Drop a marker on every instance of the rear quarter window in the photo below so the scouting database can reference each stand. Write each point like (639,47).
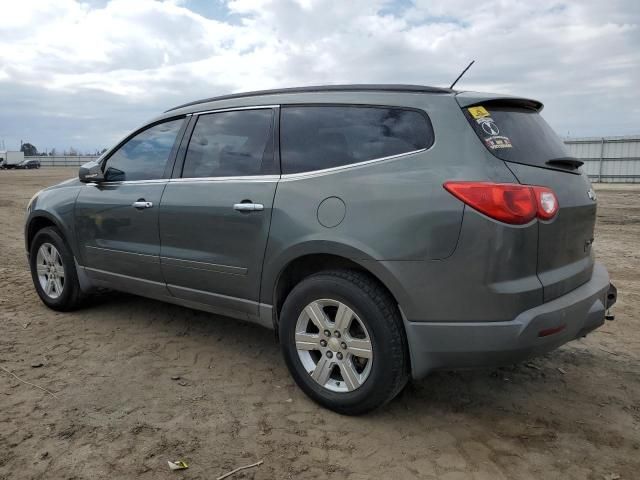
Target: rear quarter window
(319,137)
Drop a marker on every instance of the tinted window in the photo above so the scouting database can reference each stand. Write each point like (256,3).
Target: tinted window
(229,144)
(314,138)
(516,134)
(145,156)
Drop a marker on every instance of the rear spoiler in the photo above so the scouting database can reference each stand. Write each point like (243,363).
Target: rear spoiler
(469,99)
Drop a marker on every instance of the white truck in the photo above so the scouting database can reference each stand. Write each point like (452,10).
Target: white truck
(10,159)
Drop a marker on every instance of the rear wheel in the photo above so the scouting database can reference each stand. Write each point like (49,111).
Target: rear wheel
(343,341)
(53,271)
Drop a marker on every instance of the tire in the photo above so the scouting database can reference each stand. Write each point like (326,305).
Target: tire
(63,294)
(368,372)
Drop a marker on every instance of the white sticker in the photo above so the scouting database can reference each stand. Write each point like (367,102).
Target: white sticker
(498,142)
(490,128)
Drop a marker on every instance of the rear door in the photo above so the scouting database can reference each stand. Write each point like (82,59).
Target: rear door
(514,131)
(215,215)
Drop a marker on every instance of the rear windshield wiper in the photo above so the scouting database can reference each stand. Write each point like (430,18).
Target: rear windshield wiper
(565,162)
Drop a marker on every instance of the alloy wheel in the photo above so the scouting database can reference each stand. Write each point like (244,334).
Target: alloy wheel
(334,345)
(50,270)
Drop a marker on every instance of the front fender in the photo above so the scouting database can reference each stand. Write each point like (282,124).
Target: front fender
(56,206)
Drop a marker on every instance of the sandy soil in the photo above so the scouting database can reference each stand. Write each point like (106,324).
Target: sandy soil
(573,414)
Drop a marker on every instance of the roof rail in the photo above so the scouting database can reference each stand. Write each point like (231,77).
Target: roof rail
(324,88)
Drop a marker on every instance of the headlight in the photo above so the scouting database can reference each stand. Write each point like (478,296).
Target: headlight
(31,201)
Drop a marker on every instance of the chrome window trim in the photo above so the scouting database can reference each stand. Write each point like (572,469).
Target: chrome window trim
(264,178)
(240,178)
(128,182)
(327,171)
(296,176)
(247,178)
(233,109)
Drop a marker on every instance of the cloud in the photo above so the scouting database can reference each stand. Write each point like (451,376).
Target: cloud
(104,66)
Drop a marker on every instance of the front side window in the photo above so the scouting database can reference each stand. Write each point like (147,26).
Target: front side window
(145,156)
(319,137)
(230,144)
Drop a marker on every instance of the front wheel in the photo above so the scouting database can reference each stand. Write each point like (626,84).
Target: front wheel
(53,271)
(343,341)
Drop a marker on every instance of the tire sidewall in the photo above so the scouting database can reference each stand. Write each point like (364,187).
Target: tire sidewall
(51,235)
(326,286)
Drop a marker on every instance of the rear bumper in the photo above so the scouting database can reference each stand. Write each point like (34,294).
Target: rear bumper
(453,345)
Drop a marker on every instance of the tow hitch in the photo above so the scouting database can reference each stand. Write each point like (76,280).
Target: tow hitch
(612,296)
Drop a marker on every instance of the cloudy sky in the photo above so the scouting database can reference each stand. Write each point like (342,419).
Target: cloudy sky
(84,73)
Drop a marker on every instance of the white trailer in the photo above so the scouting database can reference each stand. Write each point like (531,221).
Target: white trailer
(9,159)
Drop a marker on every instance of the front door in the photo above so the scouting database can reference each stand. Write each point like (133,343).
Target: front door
(214,218)
(117,220)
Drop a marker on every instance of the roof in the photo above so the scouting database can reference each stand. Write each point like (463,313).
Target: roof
(325,88)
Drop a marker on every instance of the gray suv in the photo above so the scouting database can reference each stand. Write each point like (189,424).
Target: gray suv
(382,231)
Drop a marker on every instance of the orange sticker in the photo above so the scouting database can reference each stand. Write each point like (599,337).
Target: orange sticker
(478,112)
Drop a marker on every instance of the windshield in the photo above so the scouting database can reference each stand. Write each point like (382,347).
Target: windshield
(516,134)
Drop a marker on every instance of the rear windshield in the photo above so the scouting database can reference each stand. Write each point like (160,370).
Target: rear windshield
(515,134)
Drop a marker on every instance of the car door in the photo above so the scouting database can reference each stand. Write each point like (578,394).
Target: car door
(117,220)
(214,218)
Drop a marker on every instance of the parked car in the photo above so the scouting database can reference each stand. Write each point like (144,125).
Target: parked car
(28,164)
(383,231)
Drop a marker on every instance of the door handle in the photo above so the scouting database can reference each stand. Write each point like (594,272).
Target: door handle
(248,207)
(140,204)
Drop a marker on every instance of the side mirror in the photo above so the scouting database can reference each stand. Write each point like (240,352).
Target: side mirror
(91,172)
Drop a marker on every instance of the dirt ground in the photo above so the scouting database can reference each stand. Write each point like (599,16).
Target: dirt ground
(572,414)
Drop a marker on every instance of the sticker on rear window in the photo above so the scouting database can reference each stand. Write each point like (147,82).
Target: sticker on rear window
(493,140)
(478,112)
(489,127)
(498,142)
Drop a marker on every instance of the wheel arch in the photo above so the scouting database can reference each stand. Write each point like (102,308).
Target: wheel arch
(41,219)
(279,277)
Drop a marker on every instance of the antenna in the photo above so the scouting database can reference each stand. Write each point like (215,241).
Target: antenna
(463,72)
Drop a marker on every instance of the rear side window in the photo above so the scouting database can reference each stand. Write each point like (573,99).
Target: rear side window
(229,144)
(516,134)
(319,137)
(144,156)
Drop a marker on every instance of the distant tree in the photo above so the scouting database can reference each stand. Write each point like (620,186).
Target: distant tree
(52,152)
(29,149)
(102,151)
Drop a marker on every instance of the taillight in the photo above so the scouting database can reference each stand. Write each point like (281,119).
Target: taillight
(507,202)
(547,202)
